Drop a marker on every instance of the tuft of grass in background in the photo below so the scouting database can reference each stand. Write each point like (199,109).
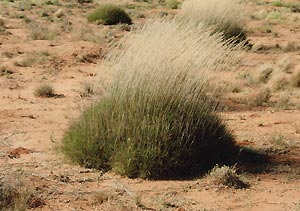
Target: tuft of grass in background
(225,16)
(13,195)
(32,58)
(227,176)
(172,4)
(44,90)
(265,73)
(39,31)
(263,96)
(109,14)
(157,119)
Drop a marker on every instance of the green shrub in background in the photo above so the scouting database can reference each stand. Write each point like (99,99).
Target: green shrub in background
(109,14)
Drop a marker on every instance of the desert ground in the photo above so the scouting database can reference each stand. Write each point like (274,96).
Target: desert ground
(41,45)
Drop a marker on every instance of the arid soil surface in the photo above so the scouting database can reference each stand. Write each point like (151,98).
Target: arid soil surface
(31,128)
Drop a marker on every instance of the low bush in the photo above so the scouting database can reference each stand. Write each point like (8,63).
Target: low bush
(227,176)
(44,90)
(157,119)
(110,14)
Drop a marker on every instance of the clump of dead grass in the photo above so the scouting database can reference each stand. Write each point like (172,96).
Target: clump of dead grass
(262,97)
(227,176)
(265,73)
(13,195)
(40,31)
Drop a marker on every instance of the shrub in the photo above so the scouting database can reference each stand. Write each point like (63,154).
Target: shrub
(173,4)
(110,15)
(13,195)
(225,16)
(156,119)
(44,90)
(228,177)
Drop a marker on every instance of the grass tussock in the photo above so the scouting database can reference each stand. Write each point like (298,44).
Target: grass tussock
(40,31)
(265,73)
(13,196)
(225,16)
(157,119)
(110,14)
(44,90)
(227,176)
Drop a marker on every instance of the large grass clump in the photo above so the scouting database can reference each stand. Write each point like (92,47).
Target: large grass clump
(156,119)
(225,16)
(110,14)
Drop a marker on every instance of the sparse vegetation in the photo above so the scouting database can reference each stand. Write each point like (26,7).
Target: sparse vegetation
(265,73)
(282,102)
(110,14)
(280,82)
(263,96)
(39,31)
(13,197)
(33,58)
(156,120)
(44,90)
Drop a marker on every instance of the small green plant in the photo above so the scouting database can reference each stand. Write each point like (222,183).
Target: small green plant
(278,140)
(275,15)
(227,176)
(278,3)
(44,90)
(110,14)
